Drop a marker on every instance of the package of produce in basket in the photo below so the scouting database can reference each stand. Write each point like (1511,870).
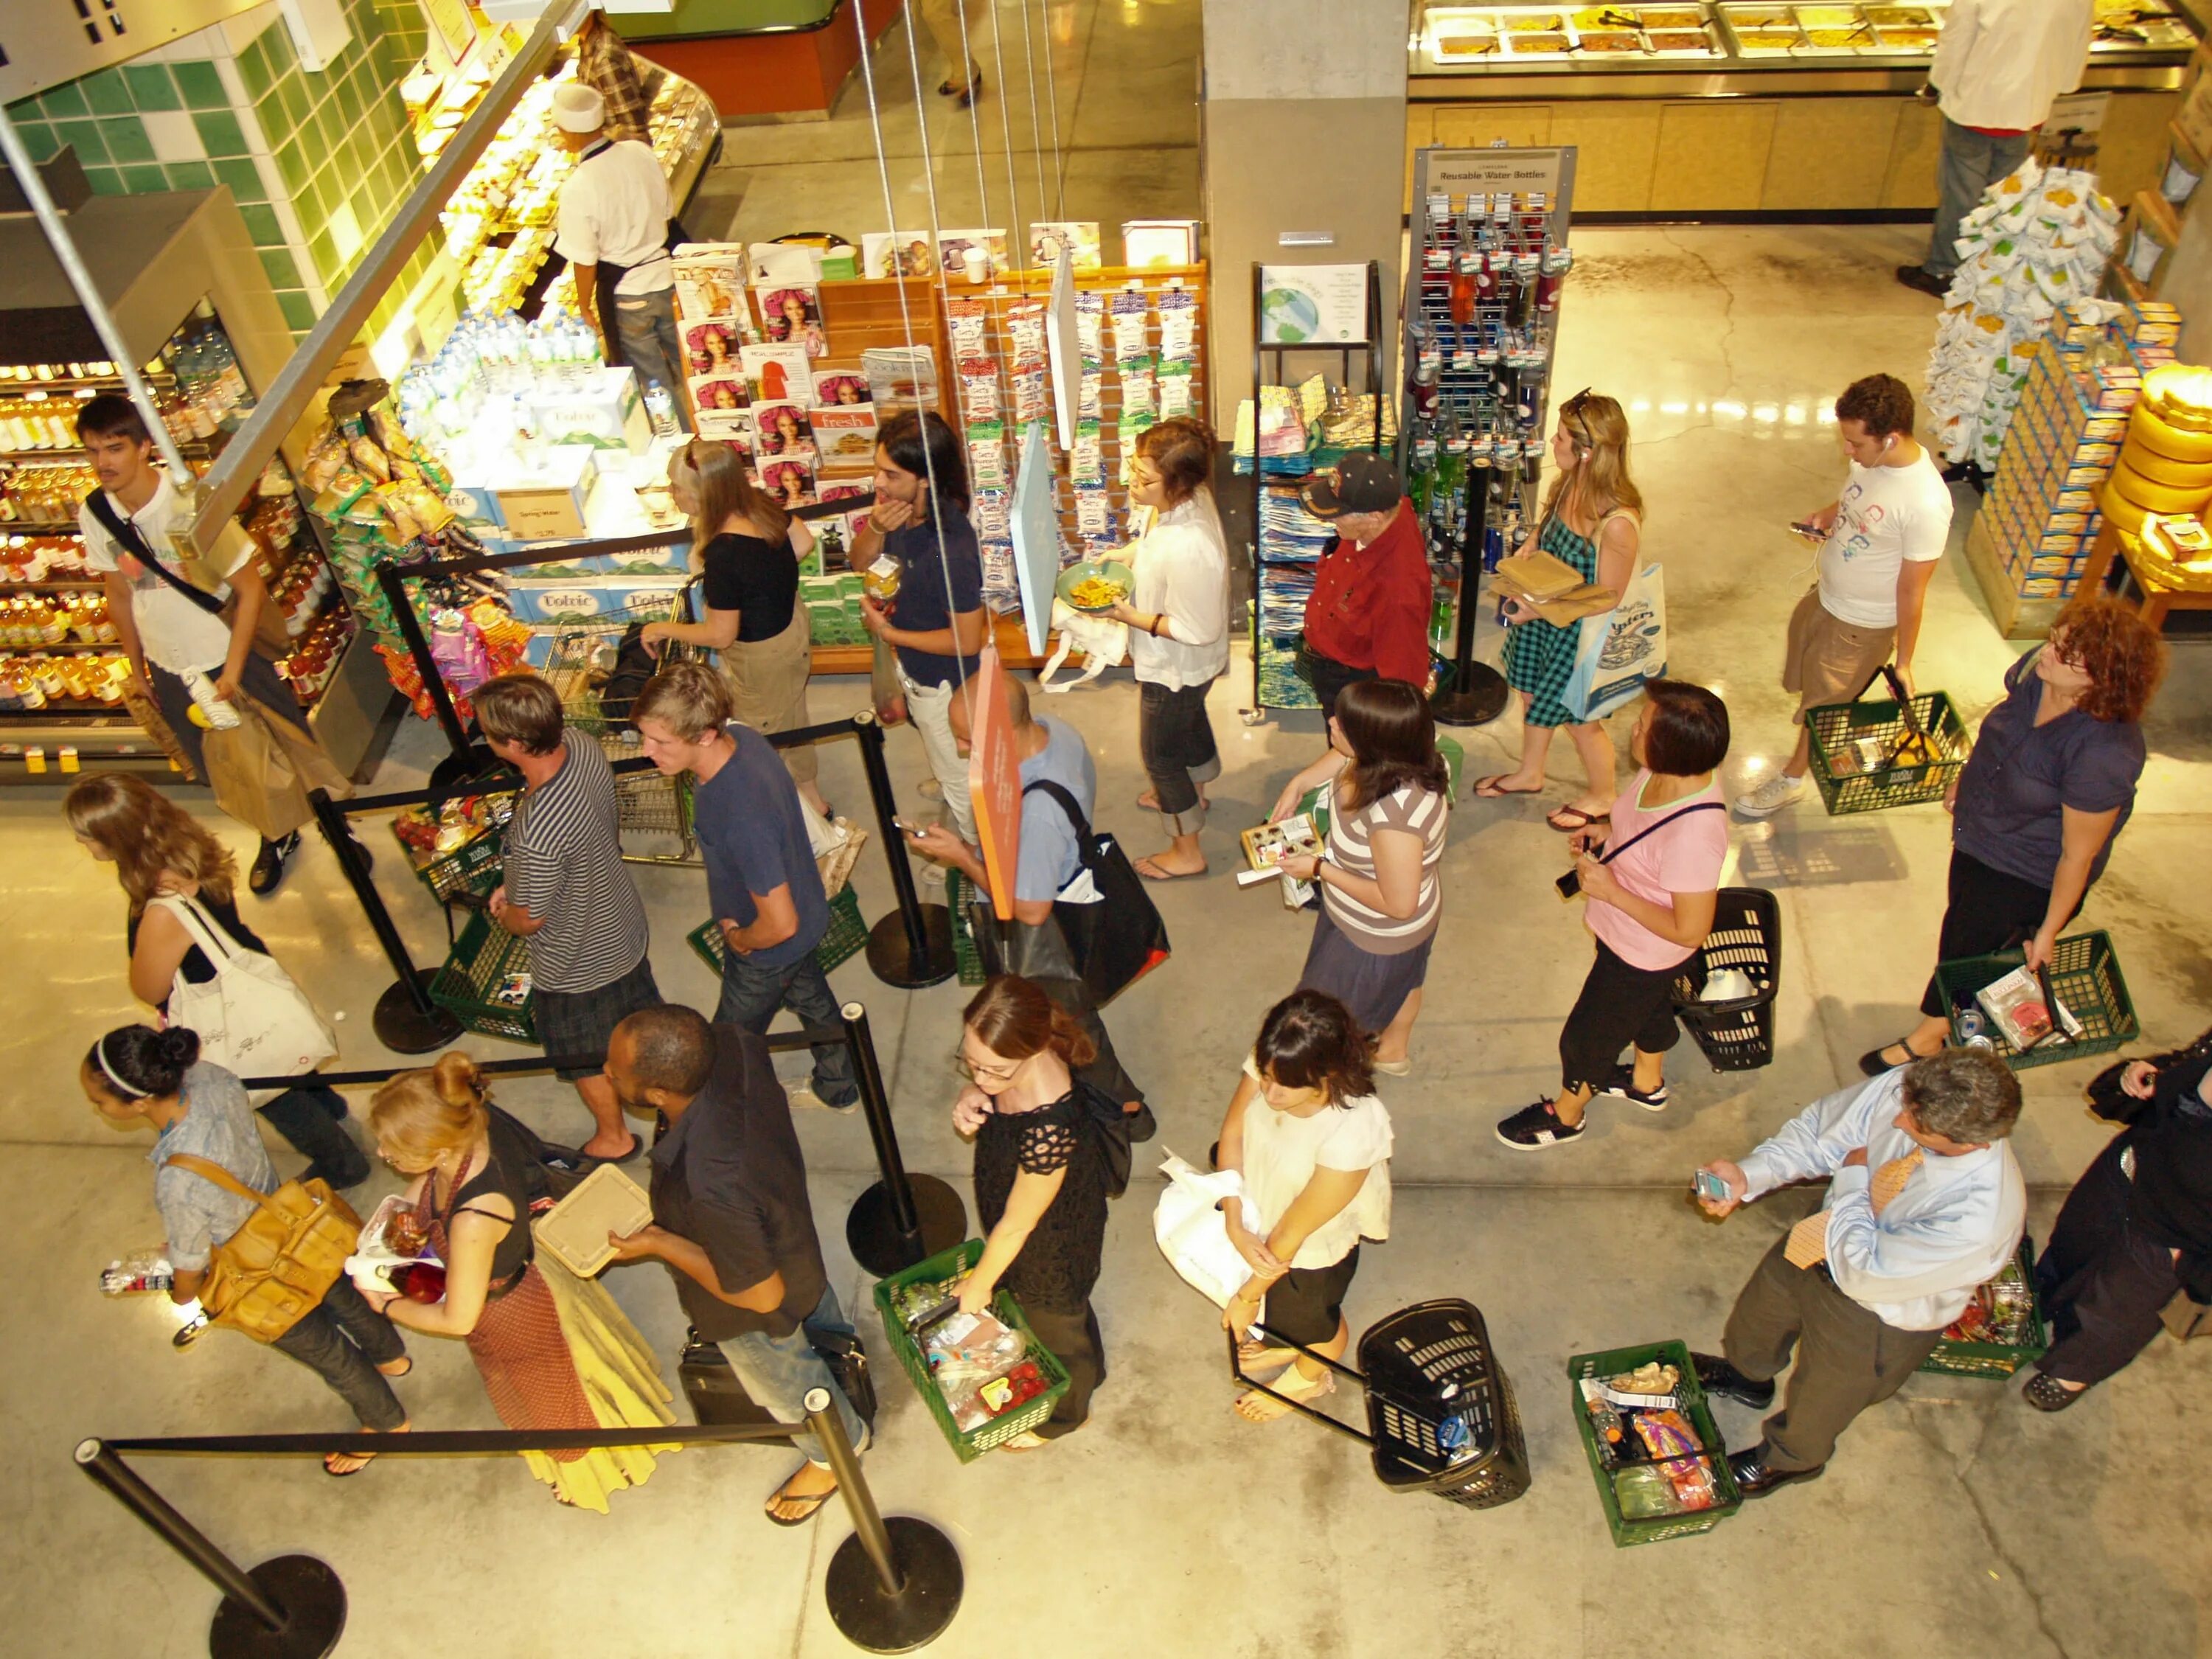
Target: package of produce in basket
(2017,1004)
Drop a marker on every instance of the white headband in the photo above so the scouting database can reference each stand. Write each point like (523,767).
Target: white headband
(130,1090)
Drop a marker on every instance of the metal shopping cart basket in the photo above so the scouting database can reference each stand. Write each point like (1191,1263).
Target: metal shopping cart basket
(1440,1412)
(598,666)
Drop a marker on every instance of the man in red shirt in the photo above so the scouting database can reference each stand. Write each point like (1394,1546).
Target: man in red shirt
(1367,617)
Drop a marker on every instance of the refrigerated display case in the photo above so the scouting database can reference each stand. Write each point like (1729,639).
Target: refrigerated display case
(1743,108)
(64,692)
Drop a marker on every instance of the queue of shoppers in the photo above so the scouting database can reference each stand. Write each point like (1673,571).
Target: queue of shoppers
(1924,1203)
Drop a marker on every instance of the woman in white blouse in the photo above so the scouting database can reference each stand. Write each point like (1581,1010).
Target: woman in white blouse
(1178,620)
(1313,1144)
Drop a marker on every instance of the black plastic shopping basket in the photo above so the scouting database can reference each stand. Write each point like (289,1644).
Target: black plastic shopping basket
(1736,1034)
(1440,1412)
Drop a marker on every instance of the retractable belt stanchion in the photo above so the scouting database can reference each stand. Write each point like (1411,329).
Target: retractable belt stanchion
(902,1218)
(290,1607)
(407,1022)
(1472,693)
(894,1585)
(918,950)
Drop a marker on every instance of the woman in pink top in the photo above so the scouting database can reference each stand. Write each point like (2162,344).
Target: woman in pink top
(1651,905)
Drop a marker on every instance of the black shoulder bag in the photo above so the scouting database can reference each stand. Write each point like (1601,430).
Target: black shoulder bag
(1120,937)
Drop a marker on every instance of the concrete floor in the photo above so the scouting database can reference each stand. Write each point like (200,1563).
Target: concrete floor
(1954,1520)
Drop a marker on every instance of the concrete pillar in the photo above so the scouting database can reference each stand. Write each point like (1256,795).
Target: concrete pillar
(1303,128)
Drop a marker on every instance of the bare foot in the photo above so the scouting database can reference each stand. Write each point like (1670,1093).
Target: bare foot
(1150,800)
(798,1499)
(399,1367)
(1500,784)
(1257,1407)
(344,1463)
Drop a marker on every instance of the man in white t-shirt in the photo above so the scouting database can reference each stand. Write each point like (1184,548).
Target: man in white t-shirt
(168,633)
(1880,540)
(614,215)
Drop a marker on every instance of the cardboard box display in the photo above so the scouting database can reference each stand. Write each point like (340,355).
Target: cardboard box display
(552,503)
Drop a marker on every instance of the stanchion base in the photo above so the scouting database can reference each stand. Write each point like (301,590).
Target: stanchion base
(406,1030)
(873,1619)
(309,1592)
(871,1231)
(891,957)
(1474,698)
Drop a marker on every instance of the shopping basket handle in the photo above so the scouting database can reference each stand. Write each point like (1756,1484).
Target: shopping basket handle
(1903,699)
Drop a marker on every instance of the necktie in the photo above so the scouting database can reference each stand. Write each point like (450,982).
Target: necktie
(1808,1239)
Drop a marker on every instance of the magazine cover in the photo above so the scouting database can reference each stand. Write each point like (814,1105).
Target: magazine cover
(953,247)
(1081,236)
(840,383)
(900,377)
(710,282)
(791,482)
(845,439)
(897,253)
(721,414)
(713,346)
(776,373)
(792,314)
(783,429)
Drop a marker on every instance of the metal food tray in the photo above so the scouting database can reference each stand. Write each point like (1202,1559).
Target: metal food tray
(1737,22)
(1847,21)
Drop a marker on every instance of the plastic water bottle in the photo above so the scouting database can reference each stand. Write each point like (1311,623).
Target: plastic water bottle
(220,714)
(661,407)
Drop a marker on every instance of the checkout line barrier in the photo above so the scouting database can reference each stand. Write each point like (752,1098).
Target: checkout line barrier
(891,1587)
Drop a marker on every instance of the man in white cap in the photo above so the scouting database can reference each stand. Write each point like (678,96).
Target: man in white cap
(614,228)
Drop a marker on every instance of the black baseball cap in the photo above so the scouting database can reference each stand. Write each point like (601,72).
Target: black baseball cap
(1360,483)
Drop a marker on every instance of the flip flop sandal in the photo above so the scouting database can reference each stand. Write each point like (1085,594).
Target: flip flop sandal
(814,1501)
(636,1146)
(1582,820)
(1487,789)
(407,1365)
(1156,873)
(347,1475)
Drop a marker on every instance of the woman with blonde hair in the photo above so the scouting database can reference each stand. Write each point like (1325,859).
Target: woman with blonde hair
(1593,521)
(181,882)
(554,1351)
(748,549)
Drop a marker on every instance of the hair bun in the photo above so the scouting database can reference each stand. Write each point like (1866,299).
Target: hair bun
(179,1046)
(458,1081)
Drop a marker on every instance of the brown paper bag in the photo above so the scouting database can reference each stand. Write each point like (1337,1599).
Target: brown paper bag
(262,770)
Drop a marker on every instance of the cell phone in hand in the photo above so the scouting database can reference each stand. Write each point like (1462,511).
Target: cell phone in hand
(1809,530)
(1569,884)
(1711,1187)
(914,830)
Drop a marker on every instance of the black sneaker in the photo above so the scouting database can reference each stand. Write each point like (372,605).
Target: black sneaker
(1926,281)
(360,850)
(269,864)
(1621,1085)
(1532,1128)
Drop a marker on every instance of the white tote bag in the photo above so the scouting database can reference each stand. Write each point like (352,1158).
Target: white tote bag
(1194,1235)
(252,1020)
(1621,650)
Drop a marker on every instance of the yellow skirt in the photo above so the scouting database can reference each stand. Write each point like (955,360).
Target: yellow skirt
(622,1379)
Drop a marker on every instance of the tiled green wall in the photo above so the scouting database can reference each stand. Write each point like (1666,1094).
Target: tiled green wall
(317,161)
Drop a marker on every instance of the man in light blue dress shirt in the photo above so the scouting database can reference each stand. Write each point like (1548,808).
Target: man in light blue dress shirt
(1925,1203)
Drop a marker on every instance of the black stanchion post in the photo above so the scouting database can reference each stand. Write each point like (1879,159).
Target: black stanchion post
(892,1586)
(902,1218)
(917,950)
(407,1022)
(1475,693)
(292,1606)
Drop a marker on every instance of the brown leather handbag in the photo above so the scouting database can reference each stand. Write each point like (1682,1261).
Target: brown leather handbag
(275,1269)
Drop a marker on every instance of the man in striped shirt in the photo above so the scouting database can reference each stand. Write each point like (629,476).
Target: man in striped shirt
(567,892)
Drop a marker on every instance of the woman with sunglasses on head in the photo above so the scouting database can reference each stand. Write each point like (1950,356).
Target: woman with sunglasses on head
(2050,782)
(1387,793)
(1593,522)
(1050,1149)
(1178,622)
(748,549)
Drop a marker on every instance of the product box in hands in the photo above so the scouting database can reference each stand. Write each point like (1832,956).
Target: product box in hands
(1266,845)
(2017,1006)
(576,1231)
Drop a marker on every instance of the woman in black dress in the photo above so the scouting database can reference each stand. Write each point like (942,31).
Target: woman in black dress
(1049,1152)
(747,549)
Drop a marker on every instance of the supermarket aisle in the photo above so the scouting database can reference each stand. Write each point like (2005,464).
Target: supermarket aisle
(1117,79)
(2033,1536)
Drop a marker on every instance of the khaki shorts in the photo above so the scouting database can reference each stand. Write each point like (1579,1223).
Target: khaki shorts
(1828,660)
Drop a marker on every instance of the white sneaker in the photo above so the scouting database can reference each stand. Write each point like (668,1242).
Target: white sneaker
(1770,797)
(803,1098)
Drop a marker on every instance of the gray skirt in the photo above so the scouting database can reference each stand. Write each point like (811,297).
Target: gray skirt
(1372,985)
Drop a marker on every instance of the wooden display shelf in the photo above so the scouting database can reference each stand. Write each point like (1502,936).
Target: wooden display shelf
(1014,642)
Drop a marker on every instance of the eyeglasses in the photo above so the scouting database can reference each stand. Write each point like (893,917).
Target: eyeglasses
(964,1066)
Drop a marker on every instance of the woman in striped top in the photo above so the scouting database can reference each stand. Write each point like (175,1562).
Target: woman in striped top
(1387,794)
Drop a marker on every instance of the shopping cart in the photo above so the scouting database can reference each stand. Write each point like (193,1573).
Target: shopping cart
(598,666)
(1440,1412)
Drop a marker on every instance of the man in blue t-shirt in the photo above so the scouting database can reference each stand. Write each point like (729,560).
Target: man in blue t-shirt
(762,881)
(1046,868)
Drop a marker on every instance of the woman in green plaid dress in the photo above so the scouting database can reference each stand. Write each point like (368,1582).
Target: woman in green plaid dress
(1592,522)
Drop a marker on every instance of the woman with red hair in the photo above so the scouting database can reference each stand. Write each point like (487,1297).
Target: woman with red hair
(2052,780)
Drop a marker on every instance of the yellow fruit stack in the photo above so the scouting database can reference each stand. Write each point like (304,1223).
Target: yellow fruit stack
(2165,464)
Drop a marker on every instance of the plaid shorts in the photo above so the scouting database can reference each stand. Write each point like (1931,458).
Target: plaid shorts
(580,1024)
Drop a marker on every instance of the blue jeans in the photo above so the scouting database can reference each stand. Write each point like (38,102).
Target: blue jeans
(646,326)
(308,1115)
(778,1370)
(751,995)
(1972,162)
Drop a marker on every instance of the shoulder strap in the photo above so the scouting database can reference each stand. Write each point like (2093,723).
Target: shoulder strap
(1059,792)
(193,1165)
(1613,853)
(126,534)
(216,945)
